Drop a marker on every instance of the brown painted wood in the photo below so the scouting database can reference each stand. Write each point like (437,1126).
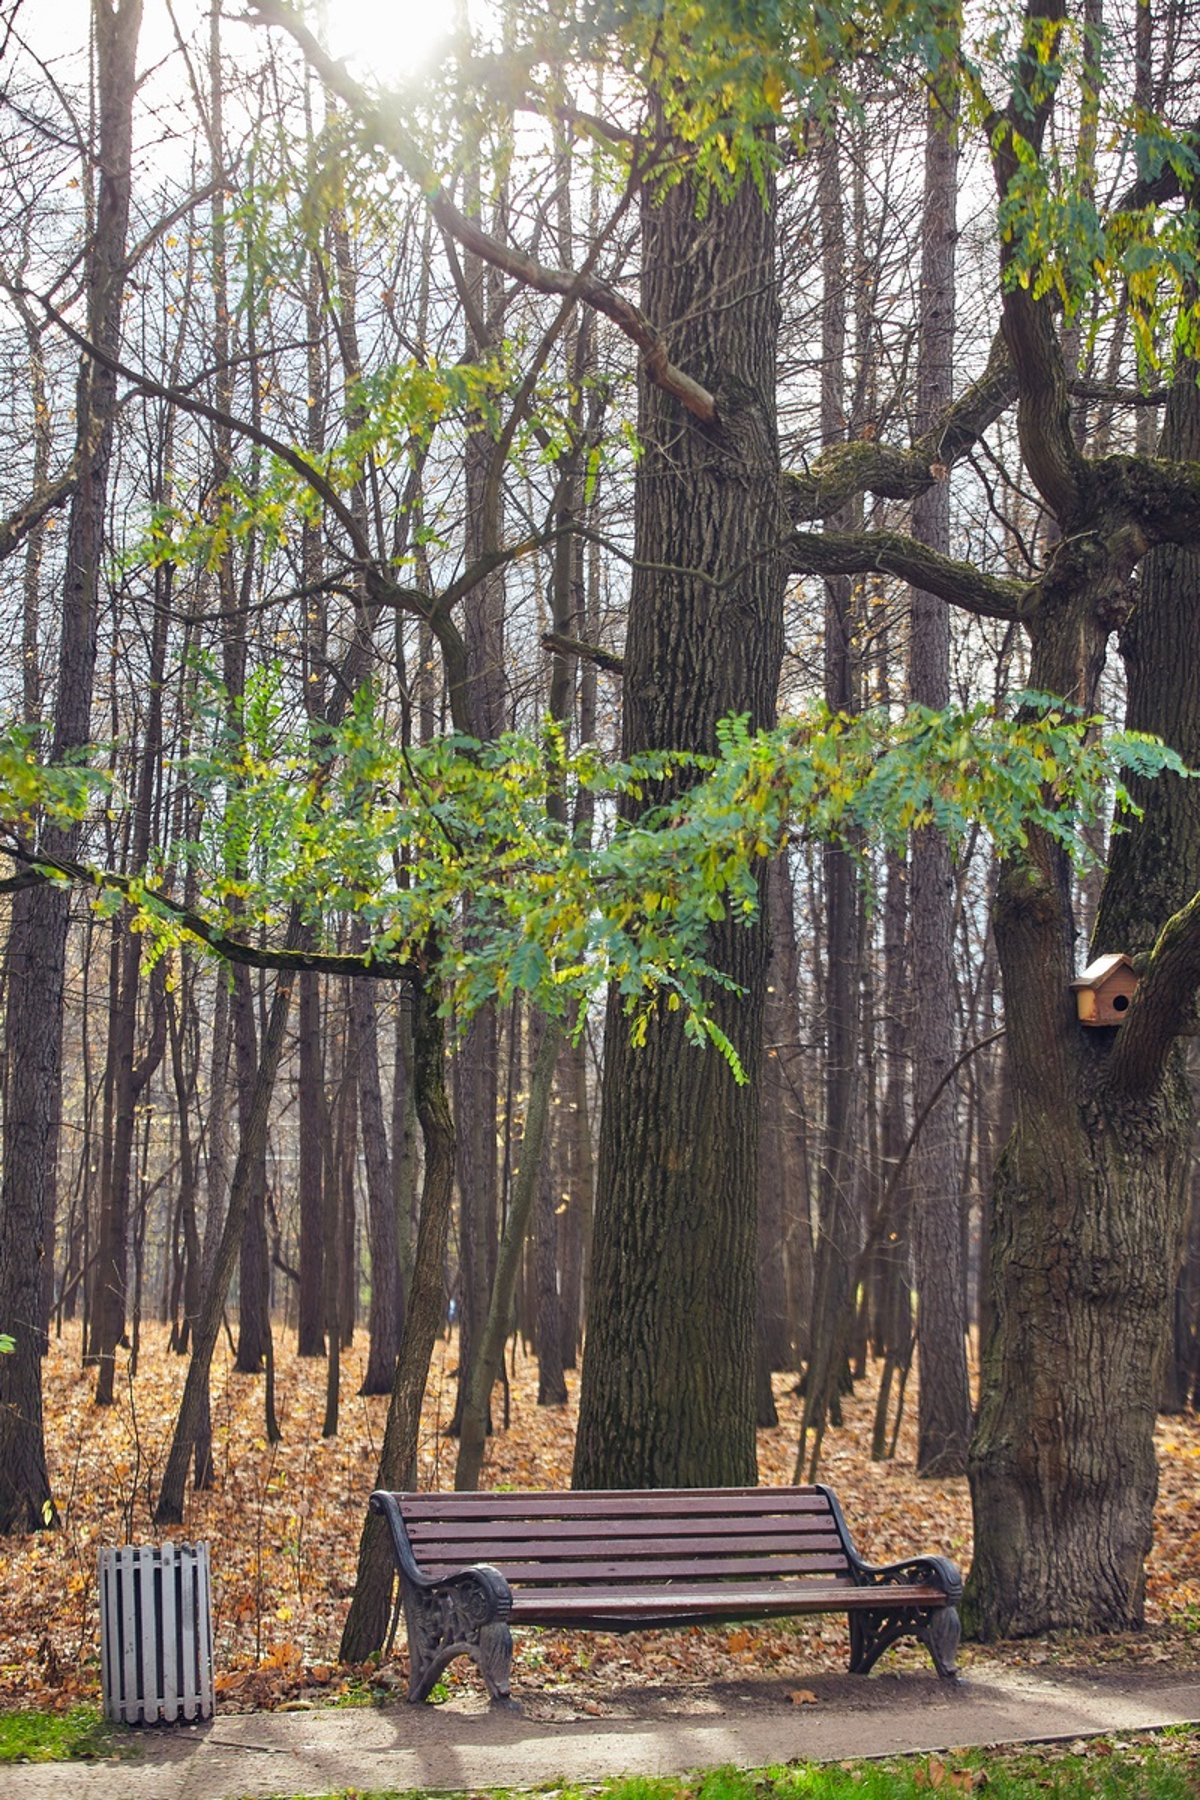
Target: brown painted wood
(682,1536)
(665,1554)
(737,1600)
(545,1572)
(627,1530)
(622,1561)
(684,1503)
(636,1552)
(611,1538)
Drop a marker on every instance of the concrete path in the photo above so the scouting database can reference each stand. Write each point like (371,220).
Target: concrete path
(464,1746)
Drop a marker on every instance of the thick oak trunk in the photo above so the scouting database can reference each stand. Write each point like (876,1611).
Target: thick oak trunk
(1086,1209)
(1091,1193)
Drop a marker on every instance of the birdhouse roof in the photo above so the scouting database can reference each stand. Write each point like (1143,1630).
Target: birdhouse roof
(1100,971)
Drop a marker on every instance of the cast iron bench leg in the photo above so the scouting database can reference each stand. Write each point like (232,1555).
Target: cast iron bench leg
(457,1619)
(873,1632)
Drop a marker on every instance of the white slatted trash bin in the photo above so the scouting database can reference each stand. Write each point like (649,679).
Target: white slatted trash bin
(156,1657)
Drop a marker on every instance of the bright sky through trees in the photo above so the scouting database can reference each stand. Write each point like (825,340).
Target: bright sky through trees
(386,40)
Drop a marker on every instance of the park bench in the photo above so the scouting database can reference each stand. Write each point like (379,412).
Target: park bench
(473,1565)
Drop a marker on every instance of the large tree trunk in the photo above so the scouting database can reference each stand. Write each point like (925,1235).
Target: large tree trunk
(668,1379)
(1091,1191)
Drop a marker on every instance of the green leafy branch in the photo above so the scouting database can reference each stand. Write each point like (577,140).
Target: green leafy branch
(415,841)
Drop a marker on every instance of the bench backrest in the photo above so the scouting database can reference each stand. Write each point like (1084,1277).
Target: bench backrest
(601,1538)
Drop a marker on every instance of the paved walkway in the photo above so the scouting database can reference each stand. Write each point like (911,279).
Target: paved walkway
(464,1746)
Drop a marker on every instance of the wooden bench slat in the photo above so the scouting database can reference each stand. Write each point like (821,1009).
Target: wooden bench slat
(623,1531)
(651,1543)
(648,1549)
(546,1606)
(549,1573)
(667,1503)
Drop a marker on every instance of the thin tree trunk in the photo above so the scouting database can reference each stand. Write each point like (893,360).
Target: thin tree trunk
(552,1386)
(367,1621)
(169,1510)
(254,1270)
(385,1320)
(837,1197)
(312,1125)
(38,931)
(943,1400)
(488,1368)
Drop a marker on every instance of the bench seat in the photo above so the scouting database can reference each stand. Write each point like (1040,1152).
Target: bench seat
(473,1565)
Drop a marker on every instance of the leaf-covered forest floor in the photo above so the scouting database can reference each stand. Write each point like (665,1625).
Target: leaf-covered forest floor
(283,1524)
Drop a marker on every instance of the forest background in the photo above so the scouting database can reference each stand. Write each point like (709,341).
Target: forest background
(412,497)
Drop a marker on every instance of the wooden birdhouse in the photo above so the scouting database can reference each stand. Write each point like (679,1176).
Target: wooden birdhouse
(1104,990)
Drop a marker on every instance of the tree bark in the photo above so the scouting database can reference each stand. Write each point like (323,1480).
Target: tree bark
(169,1510)
(312,1128)
(1091,1191)
(367,1620)
(943,1399)
(38,935)
(781,1189)
(381,1195)
(552,1385)
(254,1272)
(837,1197)
(667,1395)
(488,1368)
(476,1071)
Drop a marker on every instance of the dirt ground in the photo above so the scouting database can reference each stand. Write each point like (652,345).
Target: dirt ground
(282,1524)
(754,1722)
(283,1521)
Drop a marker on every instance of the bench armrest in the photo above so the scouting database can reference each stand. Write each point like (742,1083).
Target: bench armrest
(933,1571)
(929,1571)
(461,1612)
(483,1588)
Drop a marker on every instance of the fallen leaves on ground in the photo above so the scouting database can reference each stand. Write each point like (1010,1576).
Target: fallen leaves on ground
(283,1523)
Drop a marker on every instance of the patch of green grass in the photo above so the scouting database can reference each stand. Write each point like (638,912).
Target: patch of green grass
(1161,1766)
(365,1692)
(71,1736)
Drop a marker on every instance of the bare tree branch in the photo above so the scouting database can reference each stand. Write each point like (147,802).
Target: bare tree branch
(569,646)
(892,553)
(39,867)
(1162,1006)
(386,130)
(844,471)
(1048,446)
(201,409)
(16,528)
